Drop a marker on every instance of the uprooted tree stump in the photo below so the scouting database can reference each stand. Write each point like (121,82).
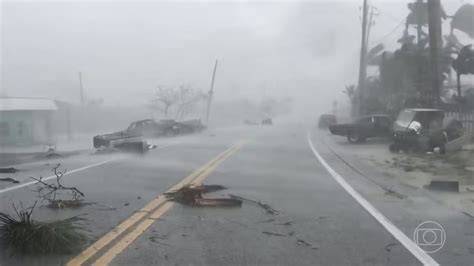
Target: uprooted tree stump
(192,196)
(23,234)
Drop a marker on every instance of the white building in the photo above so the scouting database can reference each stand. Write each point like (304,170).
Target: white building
(26,121)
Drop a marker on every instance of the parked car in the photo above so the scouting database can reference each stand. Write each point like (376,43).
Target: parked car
(267,121)
(250,122)
(364,127)
(424,130)
(326,120)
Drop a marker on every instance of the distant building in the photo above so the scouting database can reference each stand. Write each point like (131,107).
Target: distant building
(26,121)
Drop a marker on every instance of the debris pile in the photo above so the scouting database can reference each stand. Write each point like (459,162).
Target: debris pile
(192,196)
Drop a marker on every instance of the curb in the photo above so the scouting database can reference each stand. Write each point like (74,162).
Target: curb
(12,159)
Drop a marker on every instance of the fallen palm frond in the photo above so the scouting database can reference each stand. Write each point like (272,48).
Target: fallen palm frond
(272,233)
(264,206)
(9,179)
(26,235)
(192,191)
(192,195)
(8,170)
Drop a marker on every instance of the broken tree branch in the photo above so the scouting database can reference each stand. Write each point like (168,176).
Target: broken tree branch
(266,207)
(49,191)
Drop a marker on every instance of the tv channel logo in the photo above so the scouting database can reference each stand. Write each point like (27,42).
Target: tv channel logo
(429,236)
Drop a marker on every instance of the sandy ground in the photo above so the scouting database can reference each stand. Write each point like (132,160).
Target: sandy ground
(419,170)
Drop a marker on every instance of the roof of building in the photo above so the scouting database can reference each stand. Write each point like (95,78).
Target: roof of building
(424,109)
(375,115)
(27,104)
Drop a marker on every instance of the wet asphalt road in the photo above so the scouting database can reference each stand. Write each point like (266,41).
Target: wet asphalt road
(318,223)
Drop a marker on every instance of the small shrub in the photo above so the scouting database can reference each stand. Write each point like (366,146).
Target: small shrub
(26,235)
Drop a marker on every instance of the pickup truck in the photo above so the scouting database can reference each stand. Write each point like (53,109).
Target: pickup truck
(147,128)
(364,127)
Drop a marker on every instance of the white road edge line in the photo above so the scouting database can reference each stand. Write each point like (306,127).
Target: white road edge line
(75,170)
(53,176)
(384,221)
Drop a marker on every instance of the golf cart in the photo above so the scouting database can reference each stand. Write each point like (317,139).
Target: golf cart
(424,130)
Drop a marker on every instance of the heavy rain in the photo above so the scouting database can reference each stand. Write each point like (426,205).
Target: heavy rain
(237,132)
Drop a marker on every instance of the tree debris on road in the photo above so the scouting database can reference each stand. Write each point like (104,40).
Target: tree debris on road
(8,170)
(388,247)
(394,193)
(74,204)
(266,207)
(50,192)
(272,233)
(9,179)
(26,235)
(286,224)
(300,242)
(155,239)
(468,215)
(267,221)
(192,196)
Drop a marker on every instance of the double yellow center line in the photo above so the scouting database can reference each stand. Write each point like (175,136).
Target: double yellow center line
(144,218)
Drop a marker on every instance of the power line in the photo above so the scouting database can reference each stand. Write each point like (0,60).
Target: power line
(388,15)
(394,18)
(402,22)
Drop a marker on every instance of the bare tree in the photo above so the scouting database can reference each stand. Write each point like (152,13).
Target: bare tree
(188,98)
(164,99)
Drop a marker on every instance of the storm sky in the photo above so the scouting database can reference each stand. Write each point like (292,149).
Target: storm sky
(305,50)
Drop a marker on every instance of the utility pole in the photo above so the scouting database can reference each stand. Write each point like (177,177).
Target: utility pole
(363,62)
(68,122)
(81,88)
(369,24)
(434,27)
(419,22)
(211,93)
(419,12)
